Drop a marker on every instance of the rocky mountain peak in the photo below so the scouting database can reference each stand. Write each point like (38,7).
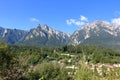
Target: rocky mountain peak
(38,27)
(45,27)
(97,24)
(45,36)
(97,33)
(100,22)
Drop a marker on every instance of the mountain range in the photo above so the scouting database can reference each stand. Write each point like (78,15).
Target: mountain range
(100,33)
(39,36)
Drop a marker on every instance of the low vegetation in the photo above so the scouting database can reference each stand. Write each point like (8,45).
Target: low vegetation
(60,63)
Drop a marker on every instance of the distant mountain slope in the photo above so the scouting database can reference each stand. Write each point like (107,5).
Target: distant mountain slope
(97,33)
(11,36)
(39,36)
(45,36)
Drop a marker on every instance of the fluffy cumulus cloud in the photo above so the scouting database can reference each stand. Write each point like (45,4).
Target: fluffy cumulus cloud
(78,22)
(116,21)
(83,18)
(34,20)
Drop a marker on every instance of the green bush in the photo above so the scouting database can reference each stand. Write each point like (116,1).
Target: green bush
(84,73)
(48,71)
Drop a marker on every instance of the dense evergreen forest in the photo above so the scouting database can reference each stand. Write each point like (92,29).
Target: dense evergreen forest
(59,63)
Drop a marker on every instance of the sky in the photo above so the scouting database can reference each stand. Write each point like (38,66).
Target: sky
(63,15)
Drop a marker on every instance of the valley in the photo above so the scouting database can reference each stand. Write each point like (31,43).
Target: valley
(70,62)
(42,53)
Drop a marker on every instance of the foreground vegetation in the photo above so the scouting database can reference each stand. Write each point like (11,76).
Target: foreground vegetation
(61,63)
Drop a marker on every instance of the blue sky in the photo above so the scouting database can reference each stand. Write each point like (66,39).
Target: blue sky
(62,15)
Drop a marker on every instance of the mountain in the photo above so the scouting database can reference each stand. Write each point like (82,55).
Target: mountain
(39,36)
(45,36)
(97,33)
(11,36)
(100,33)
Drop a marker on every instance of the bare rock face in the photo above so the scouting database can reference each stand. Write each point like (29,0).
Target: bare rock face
(39,36)
(97,33)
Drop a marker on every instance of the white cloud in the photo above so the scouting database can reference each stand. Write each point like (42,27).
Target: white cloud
(70,21)
(34,20)
(83,18)
(116,21)
(75,22)
(78,22)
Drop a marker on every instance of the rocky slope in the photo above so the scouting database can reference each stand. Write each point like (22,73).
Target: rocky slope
(39,36)
(45,36)
(97,33)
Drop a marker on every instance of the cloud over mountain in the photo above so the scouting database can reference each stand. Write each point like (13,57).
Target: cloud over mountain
(34,20)
(116,21)
(77,22)
(83,18)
